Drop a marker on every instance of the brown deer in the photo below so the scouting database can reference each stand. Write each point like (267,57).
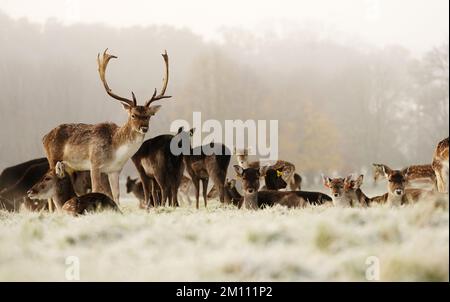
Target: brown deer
(339,194)
(286,167)
(417,174)
(57,184)
(201,167)
(230,191)
(135,186)
(159,168)
(11,175)
(254,199)
(398,193)
(104,147)
(296,182)
(353,190)
(440,165)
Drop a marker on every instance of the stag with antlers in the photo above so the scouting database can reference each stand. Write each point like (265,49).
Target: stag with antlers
(104,147)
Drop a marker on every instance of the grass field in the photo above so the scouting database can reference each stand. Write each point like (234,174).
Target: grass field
(224,244)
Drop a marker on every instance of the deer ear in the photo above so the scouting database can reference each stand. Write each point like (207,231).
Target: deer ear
(180,130)
(192,131)
(60,169)
(239,170)
(326,181)
(386,170)
(359,180)
(263,170)
(153,109)
(405,174)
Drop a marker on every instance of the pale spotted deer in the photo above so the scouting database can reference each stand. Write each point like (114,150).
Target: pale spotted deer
(104,147)
(440,165)
(398,193)
(417,175)
(287,168)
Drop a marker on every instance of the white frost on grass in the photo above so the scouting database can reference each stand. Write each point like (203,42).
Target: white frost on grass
(225,244)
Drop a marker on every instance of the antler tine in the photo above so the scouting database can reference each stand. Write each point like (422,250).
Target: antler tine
(102,64)
(165,82)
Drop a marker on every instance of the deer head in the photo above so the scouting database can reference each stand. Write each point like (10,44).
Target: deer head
(47,186)
(138,116)
(397,181)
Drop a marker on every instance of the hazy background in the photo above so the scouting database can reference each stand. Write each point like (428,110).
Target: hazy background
(351,82)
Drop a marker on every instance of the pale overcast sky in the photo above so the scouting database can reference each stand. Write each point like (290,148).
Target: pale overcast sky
(415,24)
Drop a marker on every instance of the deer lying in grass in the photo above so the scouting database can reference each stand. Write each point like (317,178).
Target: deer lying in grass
(254,199)
(231,193)
(57,184)
(286,167)
(440,165)
(202,167)
(398,193)
(135,186)
(11,175)
(417,174)
(346,192)
(296,182)
(104,147)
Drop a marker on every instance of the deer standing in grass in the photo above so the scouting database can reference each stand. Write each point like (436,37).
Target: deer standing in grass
(440,165)
(104,147)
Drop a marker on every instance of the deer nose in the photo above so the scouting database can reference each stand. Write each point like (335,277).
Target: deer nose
(144,129)
(250,190)
(398,192)
(336,194)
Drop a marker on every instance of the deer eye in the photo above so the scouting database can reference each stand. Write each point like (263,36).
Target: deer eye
(133,116)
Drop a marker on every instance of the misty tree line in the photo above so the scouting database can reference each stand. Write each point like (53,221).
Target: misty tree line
(340,107)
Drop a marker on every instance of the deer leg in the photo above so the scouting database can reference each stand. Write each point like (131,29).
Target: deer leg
(114,183)
(155,196)
(50,205)
(205,190)
(196,183)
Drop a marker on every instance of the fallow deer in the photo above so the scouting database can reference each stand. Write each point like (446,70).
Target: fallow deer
(104,147)
(398,193)
(440,165)
(417,174)
(286,167)
(230,191)
(12,198)
(353,190)
(254,199)
(57,184)
(135,186)
(159,167)
(296,182)
(201,167)
(11,175)
(338,192)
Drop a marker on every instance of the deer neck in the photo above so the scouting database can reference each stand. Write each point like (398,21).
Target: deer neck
(251,201)
(64,190)
(126,135)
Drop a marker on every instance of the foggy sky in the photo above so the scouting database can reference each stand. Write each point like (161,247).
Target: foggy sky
(414,24)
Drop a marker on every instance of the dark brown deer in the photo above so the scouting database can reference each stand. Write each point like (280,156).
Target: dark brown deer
(231,193)
(273,179)
(352,188)
(254,199)
(104,147)
(417,174)
(159,168)
(135,186)
(202,167)
(287,168)
(440,165)
(11,175)
(57,184)
(12,198)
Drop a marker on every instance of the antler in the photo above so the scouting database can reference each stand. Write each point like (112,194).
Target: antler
(165,82)
(102,64)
